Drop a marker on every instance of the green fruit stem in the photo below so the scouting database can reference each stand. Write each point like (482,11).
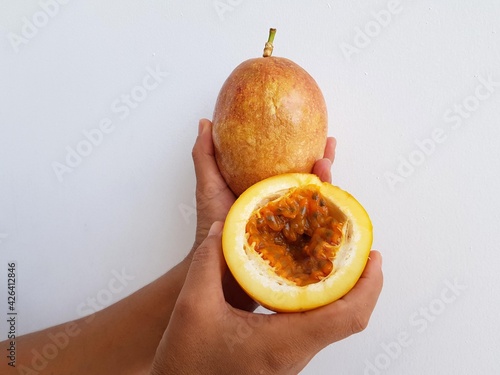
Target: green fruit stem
(268,49)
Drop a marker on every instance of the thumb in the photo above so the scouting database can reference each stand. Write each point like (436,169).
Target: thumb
(204,277)
(209,181)
(204,154)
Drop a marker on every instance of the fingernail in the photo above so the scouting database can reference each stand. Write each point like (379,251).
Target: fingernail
(216,228)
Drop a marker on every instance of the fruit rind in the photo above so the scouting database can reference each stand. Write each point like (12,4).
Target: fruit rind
(261,283)
(270,118)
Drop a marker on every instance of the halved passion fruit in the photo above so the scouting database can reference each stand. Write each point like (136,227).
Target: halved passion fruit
(294,243)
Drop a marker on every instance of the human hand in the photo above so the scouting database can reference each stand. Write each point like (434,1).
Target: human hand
(206,335)
(214,198)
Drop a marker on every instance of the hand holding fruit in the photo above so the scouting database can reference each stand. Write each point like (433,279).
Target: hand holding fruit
(206,335)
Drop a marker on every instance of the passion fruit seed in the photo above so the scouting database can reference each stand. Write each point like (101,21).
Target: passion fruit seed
(297,234)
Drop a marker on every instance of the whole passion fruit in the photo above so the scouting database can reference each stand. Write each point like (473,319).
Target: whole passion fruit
(294,243)
(270,118)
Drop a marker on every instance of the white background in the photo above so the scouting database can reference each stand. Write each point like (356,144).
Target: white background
(128,205)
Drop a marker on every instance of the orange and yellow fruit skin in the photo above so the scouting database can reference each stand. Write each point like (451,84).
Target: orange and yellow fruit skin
(259,280)
(270,118)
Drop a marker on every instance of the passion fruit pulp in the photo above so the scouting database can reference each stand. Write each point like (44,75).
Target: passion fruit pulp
(297,234)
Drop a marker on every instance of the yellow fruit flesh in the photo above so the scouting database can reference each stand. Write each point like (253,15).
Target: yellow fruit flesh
(297,234)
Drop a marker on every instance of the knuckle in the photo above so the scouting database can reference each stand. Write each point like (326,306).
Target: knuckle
(190,311)
(195,151)
(279,361)
(358,320)
(202,253)
(208,191)
(185,307)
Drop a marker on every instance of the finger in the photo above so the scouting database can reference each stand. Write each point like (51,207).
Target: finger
(353,311)
(204,278)
(331,145)
(322,169)
(206,169)
(369,285)
(346,316)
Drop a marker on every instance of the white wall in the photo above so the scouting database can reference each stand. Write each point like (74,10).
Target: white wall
(416,77)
